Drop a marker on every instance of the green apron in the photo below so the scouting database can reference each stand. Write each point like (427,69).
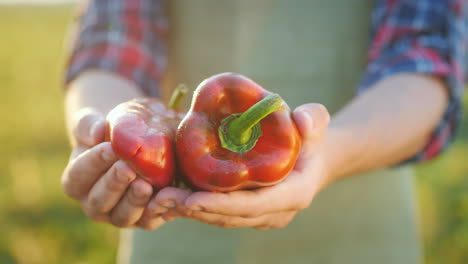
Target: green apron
(307,51)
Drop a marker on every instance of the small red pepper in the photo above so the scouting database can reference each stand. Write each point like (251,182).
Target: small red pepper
(142,132)
(236,135)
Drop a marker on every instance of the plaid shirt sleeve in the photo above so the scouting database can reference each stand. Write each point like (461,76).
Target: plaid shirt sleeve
(126,37)
(422,36)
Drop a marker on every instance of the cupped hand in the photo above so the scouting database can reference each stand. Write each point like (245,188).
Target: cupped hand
(263,208)
(107,188)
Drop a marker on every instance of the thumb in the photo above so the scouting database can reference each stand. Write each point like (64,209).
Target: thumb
(89,127)
(312,121)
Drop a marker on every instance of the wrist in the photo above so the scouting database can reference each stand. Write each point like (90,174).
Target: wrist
(341,153)
(322,170)
(99,90)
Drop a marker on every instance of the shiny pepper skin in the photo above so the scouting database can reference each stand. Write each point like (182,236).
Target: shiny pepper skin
(206,165)
(141,132)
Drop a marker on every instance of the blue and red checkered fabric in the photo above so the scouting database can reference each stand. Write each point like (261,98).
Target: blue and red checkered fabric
(427,37)
(128,37)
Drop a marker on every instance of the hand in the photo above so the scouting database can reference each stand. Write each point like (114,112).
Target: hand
(107,188)
(264,208)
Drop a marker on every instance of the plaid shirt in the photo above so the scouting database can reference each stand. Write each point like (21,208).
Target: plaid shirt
(127,37)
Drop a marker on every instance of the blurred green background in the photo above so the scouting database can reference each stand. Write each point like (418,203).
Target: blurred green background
(38,224)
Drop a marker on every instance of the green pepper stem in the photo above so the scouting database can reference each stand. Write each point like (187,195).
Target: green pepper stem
(240,129)
(175,103)
(240,132)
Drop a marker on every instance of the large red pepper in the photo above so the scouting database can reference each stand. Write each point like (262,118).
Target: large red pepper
(236,135)
(142,133)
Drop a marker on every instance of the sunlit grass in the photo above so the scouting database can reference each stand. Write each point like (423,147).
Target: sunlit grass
(443,196)
(38,224)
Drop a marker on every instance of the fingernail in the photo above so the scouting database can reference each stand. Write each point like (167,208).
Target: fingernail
(106,155)
(168,204)
(195,208)
(138,193)
(155,209)
(309,119)
(123,177)
(92,128)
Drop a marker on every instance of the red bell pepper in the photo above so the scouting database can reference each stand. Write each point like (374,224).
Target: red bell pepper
(142,132)
(236,135)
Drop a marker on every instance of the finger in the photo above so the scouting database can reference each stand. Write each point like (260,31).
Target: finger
(93,216)
(130,209)
(312,121)
(294,193)
(90,127)
(171,215)
(77,151)
(150,223)
(279,220)
(169,198)
(274,220)
(109,189)
(82,172)
(168,202)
